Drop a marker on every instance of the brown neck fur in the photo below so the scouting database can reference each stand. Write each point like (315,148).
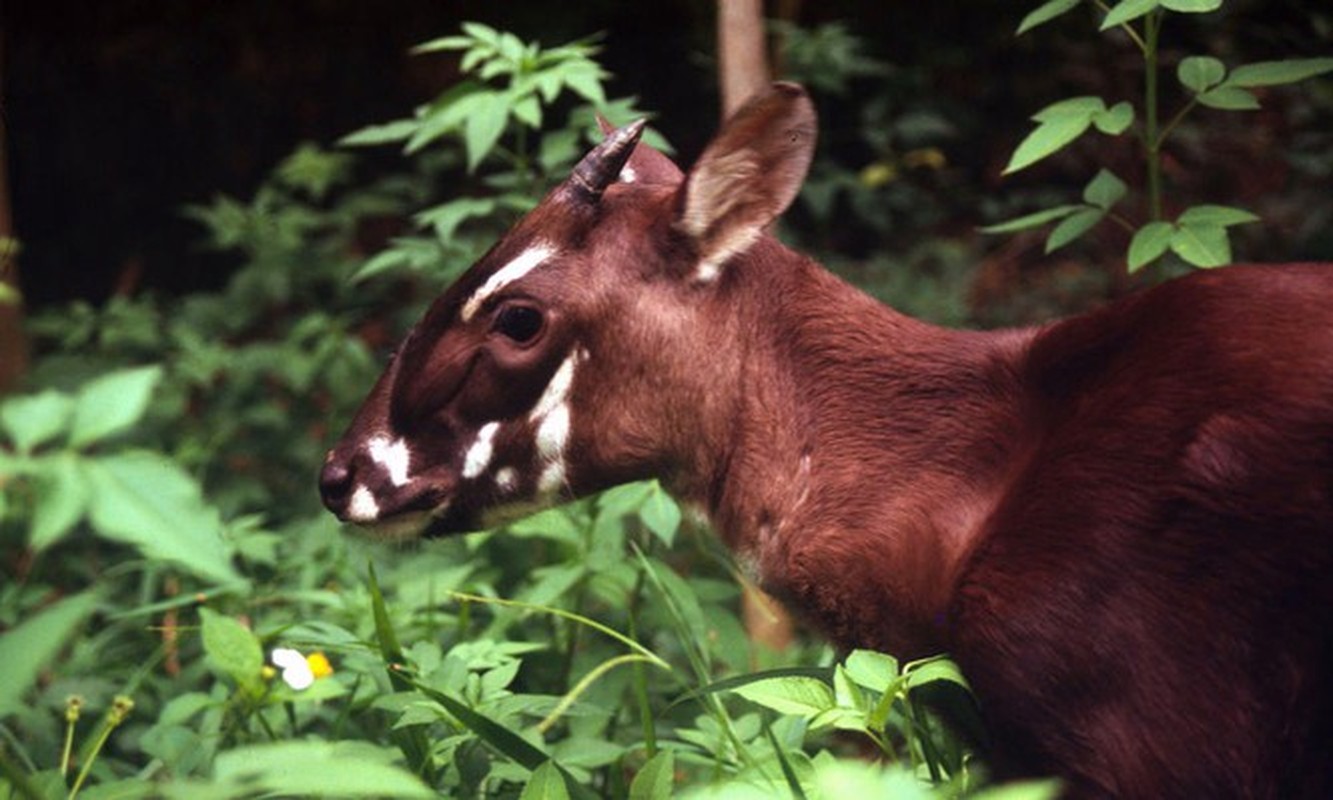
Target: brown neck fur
(866,451)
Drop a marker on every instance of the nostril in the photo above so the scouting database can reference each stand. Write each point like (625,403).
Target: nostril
(335,484)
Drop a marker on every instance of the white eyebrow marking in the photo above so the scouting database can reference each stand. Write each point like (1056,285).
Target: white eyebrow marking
(478,456)
(524,263)
(363,507)
(393,456)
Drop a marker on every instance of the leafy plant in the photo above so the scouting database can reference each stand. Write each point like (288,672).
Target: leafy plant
(1199,235)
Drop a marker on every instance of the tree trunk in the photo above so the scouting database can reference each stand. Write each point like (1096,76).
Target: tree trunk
(13,342)
(742,63)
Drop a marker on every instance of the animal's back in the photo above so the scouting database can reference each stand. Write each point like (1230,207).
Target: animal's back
(1161,560)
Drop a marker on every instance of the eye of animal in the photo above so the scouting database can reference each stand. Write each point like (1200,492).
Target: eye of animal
(519,323)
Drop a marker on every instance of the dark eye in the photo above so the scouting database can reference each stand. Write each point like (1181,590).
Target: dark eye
(520,323)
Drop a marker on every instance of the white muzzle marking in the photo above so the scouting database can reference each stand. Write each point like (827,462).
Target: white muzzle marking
(393,456)
(478,456)
(363,508)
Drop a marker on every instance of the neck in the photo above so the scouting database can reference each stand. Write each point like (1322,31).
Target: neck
(866,453)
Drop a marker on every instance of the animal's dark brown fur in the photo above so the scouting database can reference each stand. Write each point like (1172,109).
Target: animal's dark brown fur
(1120,525)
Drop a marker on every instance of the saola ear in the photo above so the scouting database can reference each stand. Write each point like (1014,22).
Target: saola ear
(646,164)
(747,175)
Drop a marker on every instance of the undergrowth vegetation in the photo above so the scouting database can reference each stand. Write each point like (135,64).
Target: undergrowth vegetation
(182,619)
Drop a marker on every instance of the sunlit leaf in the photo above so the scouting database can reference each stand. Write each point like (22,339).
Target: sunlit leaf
(232,649)
(1047,138)
(1114,120)
(60,502)
(1105,189)
(1223,216)
(32,645)
(1033,220)
(1192,6)
(793,695)
(872,670)
(1200,73)
(111,403)
(483,127)
(33,420)
(1273,73)
(1149,243)
(654,781)
(546,783)
(1202,245)
(1045,13)
(1072,227)
(315,768)
(1128,11)
(1229,98)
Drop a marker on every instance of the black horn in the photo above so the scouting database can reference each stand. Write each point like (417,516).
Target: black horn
(600,167)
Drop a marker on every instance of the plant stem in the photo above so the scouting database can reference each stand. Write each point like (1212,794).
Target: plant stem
(1152,26)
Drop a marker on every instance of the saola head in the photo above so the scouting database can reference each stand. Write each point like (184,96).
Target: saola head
(584,349)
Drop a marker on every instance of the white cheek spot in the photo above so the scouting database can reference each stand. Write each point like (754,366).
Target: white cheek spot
(393,456)
(707,271)
(363,507)
(553,433)
(524,263)
(552,478)
(506,479)
(627,174)
(478,456)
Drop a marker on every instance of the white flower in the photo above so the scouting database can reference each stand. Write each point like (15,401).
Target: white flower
(296,671)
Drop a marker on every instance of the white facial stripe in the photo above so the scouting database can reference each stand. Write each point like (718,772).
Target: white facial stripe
(363,507)
(478,456)
(553,433)
(526,262)
(552,478)
(557,391)
(393,456)
(506,479)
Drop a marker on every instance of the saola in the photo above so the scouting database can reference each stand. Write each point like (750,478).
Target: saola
(1120,524)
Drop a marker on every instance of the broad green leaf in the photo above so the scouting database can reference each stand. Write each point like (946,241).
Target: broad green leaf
(1229,98)
(546,783)
(1104,190)
(654,781)
(1025,790)
(934,669)
(483,128)
(232,649)
(585,78)
(1032,220)
(661,515)
(1149,243)
(1200,73)
(315,768)
(397,131)
(446,217)
(874,671)
(35,419)
(1192,6)
(846,692)
(1223,216)
(796,695)
(1071,108)
(1047,138)
(60,502)
(1202,245)
(111,403)
(1114,120)
(32,646)
(1044,13)
(528,111)
(145,499)
(1127,11)
(1273,73)
(443,43)
(1072,227)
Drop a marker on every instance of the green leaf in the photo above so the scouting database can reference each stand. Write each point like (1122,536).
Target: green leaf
(446,218)
(111,403)
(932,670)
(1049,137)
(1192,6)
(32,420)
(805,697)
(232,649)
(872,670)
(61,500)
(1104,190)
(1114,120)
(1229,98)
(483,128)
(1044,13)
(1273,73)
(1149,243)
(1200,73)
(1202,245)
(654,781)
(546,783)
(1223,216)
(1126,11)
(32,646)
(585,78)
(396,131)
(1072,227)
(315,768)
(146,500)
(661,515)
(1032,220)
(1071,108)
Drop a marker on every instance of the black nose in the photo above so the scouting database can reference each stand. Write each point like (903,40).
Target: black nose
(335,484)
